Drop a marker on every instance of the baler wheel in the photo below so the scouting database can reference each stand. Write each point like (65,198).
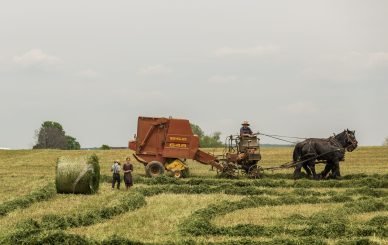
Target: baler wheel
(185,172)
(178,174)
(154,169)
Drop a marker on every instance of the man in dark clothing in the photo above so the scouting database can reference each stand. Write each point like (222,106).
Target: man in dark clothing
(245,129)
(116,174)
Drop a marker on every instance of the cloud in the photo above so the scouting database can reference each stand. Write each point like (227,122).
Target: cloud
(250,51)
(88,73)
(222,79)
(135,96)
(377,59)
(155,70)
(36,57)
(347,67)
(300,108)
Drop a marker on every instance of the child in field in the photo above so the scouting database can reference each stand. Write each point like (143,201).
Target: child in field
(116,174)
(128,168)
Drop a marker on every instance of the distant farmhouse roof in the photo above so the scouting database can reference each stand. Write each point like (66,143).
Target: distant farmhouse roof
(3,148)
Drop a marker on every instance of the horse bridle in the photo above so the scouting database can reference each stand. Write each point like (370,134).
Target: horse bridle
(352,141)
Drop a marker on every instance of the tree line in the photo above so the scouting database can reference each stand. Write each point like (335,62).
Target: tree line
(207,141)
(51,135)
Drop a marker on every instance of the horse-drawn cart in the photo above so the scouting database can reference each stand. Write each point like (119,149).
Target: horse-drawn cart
(164,144)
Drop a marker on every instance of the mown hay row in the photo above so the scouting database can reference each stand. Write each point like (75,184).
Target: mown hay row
(129,202)
(230,189)
(47,229)
(61,237)
(373,181)
(33,230)
(43,194)
(322,225)
(199,223)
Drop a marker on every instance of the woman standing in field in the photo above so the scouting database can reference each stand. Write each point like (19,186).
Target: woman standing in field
(128,168)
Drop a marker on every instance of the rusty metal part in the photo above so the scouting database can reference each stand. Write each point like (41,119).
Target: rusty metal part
(244,152)
(230,170)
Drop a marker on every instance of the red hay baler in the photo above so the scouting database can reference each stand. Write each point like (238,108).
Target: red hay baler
(165,144)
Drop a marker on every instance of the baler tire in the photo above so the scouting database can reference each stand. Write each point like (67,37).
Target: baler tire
(185,173)
(178,174)
(154,169)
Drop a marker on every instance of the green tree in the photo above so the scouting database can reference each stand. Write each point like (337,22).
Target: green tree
(197,130)
(52,136)
(72,143)
(105,147)
(207,141)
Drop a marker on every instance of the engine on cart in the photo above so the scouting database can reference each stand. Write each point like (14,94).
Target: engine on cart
(242,154)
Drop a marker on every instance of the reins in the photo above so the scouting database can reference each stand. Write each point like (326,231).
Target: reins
(294,163)
(279,137)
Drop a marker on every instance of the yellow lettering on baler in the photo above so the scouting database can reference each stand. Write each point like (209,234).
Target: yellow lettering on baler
(174,138)
(177,145)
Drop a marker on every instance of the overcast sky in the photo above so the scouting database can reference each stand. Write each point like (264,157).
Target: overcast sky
(301,68)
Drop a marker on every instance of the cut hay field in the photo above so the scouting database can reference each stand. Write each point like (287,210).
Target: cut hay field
(201,209)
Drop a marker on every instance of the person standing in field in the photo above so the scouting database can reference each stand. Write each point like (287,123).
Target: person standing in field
(127,169)
(116,174)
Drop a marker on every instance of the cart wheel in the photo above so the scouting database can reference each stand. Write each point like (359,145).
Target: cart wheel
(255,171)
(154,169)
(230,170)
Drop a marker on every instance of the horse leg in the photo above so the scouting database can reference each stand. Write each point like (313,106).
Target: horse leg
(312,168)
(306,168)
(336,170)
(328,168)
(297,171)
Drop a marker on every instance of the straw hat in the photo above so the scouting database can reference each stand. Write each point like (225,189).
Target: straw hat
(245,123)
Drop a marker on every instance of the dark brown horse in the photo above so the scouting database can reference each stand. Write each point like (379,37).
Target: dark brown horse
(331,150)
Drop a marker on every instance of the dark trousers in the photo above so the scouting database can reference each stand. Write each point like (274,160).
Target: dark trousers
(116,178)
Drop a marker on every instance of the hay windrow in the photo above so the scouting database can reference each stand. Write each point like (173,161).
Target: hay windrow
(78,176)
(43,194)
(318,227)
(51,227)
(371,182)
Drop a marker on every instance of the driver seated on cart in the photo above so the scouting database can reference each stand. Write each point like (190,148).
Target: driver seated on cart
(245,129)
(248,142)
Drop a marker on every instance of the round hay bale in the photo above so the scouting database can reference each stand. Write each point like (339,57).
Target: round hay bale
(79,176)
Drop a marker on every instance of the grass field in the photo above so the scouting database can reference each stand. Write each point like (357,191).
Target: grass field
(201,209)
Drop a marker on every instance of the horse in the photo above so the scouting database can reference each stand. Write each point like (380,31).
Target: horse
(332,150)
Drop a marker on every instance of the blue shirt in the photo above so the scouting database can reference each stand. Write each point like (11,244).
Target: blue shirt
(246,130)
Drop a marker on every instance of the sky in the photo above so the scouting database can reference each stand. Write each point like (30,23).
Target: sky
(300,68)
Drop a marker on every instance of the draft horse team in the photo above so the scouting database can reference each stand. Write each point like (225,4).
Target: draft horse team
(331,151)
